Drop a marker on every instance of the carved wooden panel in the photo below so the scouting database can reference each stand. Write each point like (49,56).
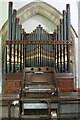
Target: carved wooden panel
(65,85)
(39,75)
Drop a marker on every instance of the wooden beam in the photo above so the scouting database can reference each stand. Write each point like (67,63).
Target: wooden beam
(50,42)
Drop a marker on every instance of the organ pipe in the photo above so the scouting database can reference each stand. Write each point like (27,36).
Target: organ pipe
(64,38)
(58,48)
(68,31)
(39,46)
(37,61)
(55,49)
(24,48)
(34,47)
(20,48)
(68,28)
(10,20)
(14,25)
(42,47)
(17,46)
(61,46)
(47,48)
(10,32)
(42,53)
(14,38)
(6,69)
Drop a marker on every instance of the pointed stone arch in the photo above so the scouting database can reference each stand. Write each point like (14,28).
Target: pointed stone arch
(42,8)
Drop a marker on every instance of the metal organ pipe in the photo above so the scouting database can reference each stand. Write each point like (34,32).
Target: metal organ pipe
(24,55)
(35,47)
(39,47)
(49,57)
(64,38)
(17,46)
(30,50)
(23,50)
(10,32)
(20,52)
(68,23)
(42,48)
(15,33)
(62,52)
(22,38)
(13,38)
(46,48)
(14,25)
(10,20)
(68,35)
(55,49)
(42,53)
(6,69)
(61,46)
(36,32)
(17,28)
(58,48)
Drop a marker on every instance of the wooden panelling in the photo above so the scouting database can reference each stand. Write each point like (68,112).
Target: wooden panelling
(12,83)
(40,77)
(65,85)
(64,81)
(14,76)
(12,86)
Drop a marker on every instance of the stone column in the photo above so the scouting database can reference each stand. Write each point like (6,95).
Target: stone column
(0,65)
(79,44)
(0,76)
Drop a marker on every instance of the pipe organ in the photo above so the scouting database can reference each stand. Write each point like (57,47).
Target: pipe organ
(38,64)
(39,49)
(25,53)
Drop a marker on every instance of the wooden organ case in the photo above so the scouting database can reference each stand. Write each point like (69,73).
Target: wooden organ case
(38,64)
